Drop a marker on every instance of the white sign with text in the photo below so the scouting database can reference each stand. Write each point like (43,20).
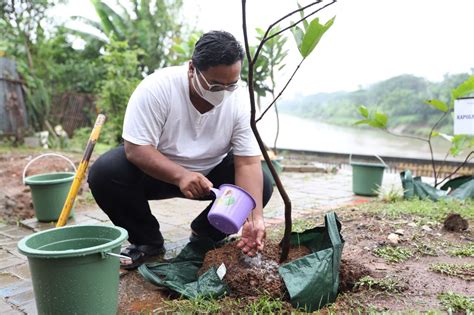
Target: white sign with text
(464,116)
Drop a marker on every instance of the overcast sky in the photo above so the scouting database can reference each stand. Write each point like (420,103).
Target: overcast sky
(371,40)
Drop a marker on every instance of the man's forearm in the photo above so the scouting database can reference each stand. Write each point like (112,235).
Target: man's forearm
(248,175)
(153,163)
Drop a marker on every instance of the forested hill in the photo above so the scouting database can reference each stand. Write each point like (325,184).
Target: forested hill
(401,97)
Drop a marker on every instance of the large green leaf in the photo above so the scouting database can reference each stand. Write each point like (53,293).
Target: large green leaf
(362,122)
(108,26)
(439,105)
(364,111)
(305,21)
(381,118)
(445,136)
(464,89)
(376,124)
(313,35)
(88,21)
(298,34)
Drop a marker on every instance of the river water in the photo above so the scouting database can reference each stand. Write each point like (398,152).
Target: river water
(305,134)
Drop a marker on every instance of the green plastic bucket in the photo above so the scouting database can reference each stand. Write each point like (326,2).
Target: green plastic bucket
(367,177)
(49,191)
(276,165)
(74,269)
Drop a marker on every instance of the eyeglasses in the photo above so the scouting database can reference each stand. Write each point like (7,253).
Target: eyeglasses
(219,87)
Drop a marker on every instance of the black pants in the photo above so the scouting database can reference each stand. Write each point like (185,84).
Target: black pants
(122,191)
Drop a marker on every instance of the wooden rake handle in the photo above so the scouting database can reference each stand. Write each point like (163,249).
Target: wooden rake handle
(81,171)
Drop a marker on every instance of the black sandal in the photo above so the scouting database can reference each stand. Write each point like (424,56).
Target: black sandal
(139,254)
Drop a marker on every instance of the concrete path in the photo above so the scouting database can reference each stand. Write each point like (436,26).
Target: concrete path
(311,193)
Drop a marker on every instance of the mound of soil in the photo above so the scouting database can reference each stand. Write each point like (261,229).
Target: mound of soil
(455,223)
(252,276)
(257,276)
(351,271)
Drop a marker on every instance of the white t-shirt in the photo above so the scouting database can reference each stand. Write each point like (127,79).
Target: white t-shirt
(160,113)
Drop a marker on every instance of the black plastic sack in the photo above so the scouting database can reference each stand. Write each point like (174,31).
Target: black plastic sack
(312,281)
(414,187)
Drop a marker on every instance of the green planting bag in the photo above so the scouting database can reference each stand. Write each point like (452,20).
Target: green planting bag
(180,274)
(414,187)
(312,281)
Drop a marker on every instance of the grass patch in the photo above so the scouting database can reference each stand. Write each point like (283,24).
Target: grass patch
(261,305)
(298,225)
(427,210)
(393,254)
(386,284)
(464,251)
(454,302)
(425,250)
(464,271)
(390,195)
(205,306)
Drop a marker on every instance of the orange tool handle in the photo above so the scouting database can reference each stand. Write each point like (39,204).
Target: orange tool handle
(81,171)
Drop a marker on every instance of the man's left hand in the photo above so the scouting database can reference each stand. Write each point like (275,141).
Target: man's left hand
(253,237)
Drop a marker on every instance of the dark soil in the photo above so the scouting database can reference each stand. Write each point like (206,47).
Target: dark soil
(15,197)
(363,231)
(252,276)
(455,223)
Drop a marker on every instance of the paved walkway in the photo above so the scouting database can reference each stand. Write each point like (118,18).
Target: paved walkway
(310,193)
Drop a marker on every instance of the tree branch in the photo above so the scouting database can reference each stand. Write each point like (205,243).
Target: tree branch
(404,136)
(279,94)
(265,38)
(458,168)
(285,242)
(431,148)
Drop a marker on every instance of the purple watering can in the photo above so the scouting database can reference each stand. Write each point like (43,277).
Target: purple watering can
(231,208)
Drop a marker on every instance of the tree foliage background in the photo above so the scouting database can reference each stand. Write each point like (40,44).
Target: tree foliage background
(401,97)
(132,38)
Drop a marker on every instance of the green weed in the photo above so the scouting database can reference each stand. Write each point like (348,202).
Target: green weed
(454,302)
(391,194)
(427,210)
(386,284)
(393,254)
(464,271)
(265,305)
(194,306)
(464,251)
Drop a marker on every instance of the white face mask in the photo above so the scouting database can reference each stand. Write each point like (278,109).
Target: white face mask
(214,98)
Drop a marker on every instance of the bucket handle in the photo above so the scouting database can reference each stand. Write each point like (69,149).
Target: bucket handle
(43,155)
(116,255)
(378,157)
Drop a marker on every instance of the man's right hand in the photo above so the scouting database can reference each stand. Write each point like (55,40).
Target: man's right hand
(194,185)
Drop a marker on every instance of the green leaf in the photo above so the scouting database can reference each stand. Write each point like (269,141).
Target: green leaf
(445,136)
(464,89)
(381,118)
(435,134)
(376,124)
(362,122)
(364,111)
(298,34)
(305,22)
(313,35)
(439,105)
(260,31)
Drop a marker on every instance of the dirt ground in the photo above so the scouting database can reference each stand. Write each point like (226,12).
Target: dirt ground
(15,197)
(368,282)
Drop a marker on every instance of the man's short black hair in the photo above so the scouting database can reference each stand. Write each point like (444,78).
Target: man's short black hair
(216,48)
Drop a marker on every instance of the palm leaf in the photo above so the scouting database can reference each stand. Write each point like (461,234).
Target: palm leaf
(107,24)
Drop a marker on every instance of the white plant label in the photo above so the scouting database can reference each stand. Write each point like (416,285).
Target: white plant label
(464,116)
